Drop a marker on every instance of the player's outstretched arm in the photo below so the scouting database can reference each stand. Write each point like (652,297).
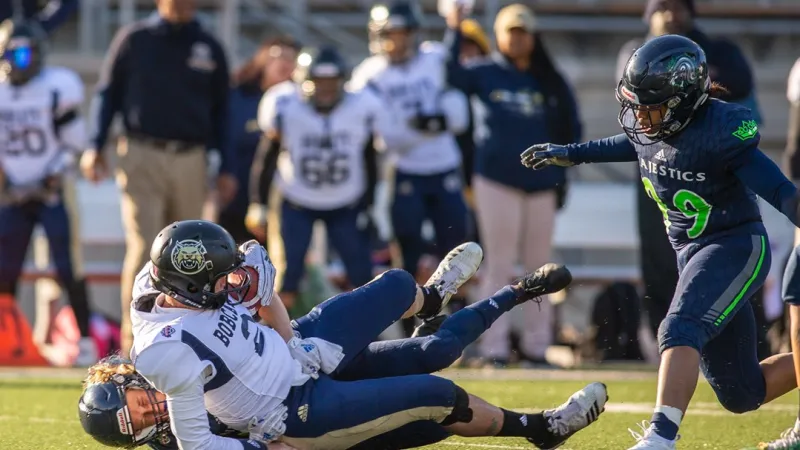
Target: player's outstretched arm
(763,177)
(611,149)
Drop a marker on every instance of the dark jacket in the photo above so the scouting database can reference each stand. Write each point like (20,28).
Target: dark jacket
(168,82)
(243,139)
(516,110)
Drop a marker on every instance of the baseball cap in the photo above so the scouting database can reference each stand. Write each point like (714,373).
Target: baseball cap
(515,16)
(472,30)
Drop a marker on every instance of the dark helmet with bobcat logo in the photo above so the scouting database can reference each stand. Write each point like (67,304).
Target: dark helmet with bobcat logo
(191,261)
(21,51)
(664,83)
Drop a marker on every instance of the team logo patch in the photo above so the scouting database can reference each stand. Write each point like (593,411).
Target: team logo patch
(168,331)
(122,420)
(201,58)
(747,130)
(684,72)
(189,257)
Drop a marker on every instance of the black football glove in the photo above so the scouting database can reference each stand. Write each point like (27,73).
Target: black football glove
(429,123)
(540,156)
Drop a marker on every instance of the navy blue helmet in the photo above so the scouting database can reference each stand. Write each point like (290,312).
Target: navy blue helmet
(190,257)
(668,74)
(104,414)
(399,15)
(317,64)
(21,51)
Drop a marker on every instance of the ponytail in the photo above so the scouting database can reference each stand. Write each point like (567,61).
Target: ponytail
(718,91)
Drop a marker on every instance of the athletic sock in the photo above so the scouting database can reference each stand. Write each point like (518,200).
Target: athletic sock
(431,302)
(665,421)
(524,425)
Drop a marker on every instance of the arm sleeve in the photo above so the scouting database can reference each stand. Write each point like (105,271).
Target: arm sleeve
(611,149)
(108,99)
(68,123)
(265,163)
(763,177)
(219,113)
(174,369)
(458,76)
(56,13)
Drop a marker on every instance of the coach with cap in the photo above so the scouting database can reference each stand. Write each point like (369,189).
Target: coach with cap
(168,79)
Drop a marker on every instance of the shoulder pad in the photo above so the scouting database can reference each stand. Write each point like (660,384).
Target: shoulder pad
(433,48)
(740,126)
(365,71)
(68,85)
(153,333)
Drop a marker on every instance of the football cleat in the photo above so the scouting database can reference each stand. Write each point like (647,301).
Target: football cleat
(455,269)
(429,326)
(789,440)
(578,412)
(548,279)
(650,440)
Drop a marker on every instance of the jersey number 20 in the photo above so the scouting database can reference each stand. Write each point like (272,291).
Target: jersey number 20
(688,203)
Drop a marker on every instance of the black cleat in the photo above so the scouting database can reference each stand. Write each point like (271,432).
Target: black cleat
(548,279)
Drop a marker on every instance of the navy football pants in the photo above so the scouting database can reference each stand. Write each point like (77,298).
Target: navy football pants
(351,243)
(16,228)
(436,197)
(711,312)
(383,385)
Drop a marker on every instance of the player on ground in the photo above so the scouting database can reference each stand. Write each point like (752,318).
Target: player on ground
(41,129)
(198,345)
(699,161)
(410,79)
(320,142)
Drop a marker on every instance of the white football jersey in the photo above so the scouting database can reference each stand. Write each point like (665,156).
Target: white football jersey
(215,360)
(30,147)
(322,165)
(418,86)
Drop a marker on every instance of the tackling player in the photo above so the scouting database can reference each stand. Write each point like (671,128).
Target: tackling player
(199,345)
(41,129)
(410,79)
(320,142)
(699,161)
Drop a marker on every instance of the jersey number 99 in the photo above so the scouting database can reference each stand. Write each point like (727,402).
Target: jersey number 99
(691,205)
(317,170)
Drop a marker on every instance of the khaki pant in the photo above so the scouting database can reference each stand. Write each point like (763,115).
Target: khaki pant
(515,228)
(158,187)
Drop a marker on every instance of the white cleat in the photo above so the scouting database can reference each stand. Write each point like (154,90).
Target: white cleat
(650,440)
(578,412)
(87,353)
(455,269)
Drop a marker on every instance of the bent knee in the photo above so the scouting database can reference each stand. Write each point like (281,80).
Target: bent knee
(440,350)
(741,401)
(397,278)
(681,331)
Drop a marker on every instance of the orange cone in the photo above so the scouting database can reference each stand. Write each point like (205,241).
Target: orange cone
(16,340)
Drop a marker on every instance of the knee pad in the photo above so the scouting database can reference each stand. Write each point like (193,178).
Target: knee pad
(682,331)
(740,396)
(461,410)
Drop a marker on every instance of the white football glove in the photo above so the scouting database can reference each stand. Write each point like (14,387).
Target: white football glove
(307,354)
(255,256)
(269,427)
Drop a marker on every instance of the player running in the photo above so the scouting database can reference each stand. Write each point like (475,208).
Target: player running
(196,343)
(699,161)
(410,79)
(41,129)
(321,144)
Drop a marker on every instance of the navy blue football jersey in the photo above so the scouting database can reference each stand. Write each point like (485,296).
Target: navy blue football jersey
(691,175)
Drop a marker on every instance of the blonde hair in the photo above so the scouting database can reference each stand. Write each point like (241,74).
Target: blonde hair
(108,367)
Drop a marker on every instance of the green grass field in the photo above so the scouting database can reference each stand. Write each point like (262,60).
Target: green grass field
(38,410)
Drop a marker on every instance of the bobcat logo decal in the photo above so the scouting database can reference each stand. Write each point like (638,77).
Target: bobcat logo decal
(189,257)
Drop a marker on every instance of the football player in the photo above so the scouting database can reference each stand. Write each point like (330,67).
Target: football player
(195,342)
(320,140)
(41,129)
(410,78)
(699,161)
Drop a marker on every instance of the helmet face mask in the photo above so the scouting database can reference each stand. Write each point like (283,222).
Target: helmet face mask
(191,261)
(106,415)
(321,75)
(664,83)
